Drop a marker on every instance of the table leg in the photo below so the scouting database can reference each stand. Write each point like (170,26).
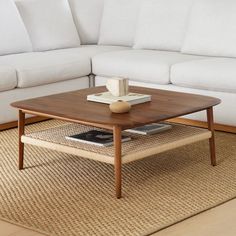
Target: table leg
(210,121)
(117,145)
(21,129)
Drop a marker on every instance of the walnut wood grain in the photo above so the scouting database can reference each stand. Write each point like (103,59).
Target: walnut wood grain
(117,164)
(14,124)
(210,121)
(21,131)
(75,107)
(203,124)
(185,121)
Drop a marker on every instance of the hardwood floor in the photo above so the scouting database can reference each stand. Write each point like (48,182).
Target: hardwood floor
(14,124)
(215,222)
(7,229)
(219,221)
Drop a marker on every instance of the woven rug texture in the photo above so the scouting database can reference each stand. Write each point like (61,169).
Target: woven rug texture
(61,194)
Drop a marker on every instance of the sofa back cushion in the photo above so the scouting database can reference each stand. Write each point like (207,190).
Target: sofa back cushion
(49,23)
(162,24)
(119,22)
(212,29)
(87,15)
(13,35)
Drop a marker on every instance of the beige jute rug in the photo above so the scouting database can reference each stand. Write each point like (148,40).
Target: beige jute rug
(61,194)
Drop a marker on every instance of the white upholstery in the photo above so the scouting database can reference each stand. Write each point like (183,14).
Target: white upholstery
(119,22)
(141,65)
(212,29)
(49,23)
(12,28)
(40,68)
(211,74)
(87,16)
(8,79)
(91,50)
(8,97)
(224,113)
(162,24)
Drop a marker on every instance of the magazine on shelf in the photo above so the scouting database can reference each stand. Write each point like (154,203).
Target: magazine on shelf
(148,129)
(96,137)
(108,98)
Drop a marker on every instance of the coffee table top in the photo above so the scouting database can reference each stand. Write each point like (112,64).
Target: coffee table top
(74,107)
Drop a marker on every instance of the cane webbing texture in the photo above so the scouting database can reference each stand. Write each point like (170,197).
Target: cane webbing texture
(66,195)
(139,147)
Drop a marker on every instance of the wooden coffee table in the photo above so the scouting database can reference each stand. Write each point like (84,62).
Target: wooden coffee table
(73,107)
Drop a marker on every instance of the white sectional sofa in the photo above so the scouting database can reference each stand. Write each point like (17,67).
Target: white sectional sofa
(53,46)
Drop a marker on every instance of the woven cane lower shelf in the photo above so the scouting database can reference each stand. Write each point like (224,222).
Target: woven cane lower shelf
(139,147)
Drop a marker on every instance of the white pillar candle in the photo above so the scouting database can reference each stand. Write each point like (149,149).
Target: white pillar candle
(118,86)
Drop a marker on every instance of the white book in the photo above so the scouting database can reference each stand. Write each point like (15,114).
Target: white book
(149,129)
(108,98)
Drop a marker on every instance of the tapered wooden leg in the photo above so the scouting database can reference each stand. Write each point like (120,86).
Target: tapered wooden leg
(210,121)
(117,144)
(21,129)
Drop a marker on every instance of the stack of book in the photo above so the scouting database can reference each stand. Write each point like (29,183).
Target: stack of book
(108,98)
(105,139)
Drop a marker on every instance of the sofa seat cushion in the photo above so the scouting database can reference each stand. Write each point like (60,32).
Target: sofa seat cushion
(35,69)
(91,50)
(217,74)
(8,79)
(140,65)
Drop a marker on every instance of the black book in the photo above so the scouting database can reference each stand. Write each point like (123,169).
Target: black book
(96,137)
